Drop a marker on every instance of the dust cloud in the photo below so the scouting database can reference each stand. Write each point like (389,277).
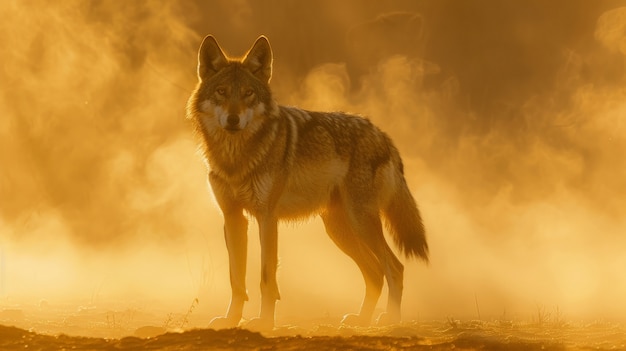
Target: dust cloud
(509,117)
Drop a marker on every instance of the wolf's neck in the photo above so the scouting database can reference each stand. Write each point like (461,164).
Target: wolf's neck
(236,155)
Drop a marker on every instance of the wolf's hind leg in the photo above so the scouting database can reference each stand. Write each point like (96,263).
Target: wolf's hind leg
(368,227)
(340,230)
(394,273)
(364,218)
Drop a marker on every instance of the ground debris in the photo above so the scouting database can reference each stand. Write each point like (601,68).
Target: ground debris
(432,336)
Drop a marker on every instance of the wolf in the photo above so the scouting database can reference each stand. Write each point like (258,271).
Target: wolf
(275,162)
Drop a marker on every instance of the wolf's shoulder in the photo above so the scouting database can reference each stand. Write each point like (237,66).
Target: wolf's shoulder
(335,119)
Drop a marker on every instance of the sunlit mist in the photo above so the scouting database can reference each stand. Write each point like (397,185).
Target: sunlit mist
(510,118)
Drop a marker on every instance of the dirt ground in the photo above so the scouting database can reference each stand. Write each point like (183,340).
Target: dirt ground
(436,335)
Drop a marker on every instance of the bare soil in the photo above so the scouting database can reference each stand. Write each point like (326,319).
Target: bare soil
(437,335)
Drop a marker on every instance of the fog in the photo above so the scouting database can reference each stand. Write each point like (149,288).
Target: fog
(509,115)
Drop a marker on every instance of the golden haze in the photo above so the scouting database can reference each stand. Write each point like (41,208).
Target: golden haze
(510,119)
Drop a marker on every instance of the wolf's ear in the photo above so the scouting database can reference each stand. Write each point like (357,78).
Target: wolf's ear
(211,58)
(259,59)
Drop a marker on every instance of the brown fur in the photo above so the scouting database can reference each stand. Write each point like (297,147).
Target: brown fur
(281,163)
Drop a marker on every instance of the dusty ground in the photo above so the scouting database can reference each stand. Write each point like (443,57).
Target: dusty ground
(86,327)
(436,335)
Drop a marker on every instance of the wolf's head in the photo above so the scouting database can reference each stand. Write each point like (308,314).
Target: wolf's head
(232,94)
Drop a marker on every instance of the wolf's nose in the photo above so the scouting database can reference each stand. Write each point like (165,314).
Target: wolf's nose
(232,120)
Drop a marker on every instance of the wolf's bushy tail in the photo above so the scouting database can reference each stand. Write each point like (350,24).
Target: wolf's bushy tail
(404,222)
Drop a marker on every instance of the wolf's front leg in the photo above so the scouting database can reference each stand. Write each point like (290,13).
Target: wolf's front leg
(268,232)
(236,235)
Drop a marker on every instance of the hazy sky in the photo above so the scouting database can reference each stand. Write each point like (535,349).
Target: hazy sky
(510,116)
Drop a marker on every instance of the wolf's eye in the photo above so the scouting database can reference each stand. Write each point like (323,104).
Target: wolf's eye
(248,92)
(221,91)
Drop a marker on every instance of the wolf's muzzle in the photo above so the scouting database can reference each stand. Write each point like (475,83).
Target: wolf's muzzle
(232,122)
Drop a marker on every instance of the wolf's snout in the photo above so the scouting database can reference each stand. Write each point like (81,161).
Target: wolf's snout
(232,120)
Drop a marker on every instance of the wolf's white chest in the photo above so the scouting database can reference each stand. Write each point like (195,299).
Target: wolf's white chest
(253,193)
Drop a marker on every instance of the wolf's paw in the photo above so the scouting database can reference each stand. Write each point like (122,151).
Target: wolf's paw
(223,323)
(386,318)
(355,320)
(260,324)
